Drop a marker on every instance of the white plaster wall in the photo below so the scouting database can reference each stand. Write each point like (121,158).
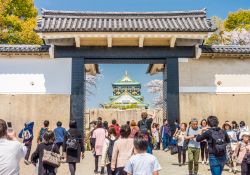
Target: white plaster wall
(31,75)
(218,75)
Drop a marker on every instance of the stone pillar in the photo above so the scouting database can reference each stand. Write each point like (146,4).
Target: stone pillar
(77,97)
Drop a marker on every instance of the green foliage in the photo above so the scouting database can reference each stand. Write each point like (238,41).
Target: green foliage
(213,39)
(17,22)
(238,20)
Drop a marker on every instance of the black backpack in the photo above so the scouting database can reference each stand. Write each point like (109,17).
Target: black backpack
(218,142)
(71,143)
(143,126)
(110,148)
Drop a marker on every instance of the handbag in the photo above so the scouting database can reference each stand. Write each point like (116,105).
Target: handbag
(247,158)
(186,141)
(173,149)
(51,158)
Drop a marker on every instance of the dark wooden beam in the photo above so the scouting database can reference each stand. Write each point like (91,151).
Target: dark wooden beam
(173,106)
(133,55)
(77,97)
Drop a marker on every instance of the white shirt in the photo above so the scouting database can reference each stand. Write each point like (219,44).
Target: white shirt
(11,152)
(142,164)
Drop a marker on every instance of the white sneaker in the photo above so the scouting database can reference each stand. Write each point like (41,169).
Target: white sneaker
(166,149)
(203,162)
(235,170)
(230,170)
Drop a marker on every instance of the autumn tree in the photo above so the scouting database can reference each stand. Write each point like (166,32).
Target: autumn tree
(17,21)
(238,20)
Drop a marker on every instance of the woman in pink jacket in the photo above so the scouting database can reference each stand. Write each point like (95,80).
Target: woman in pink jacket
(122,151)
(99,136)
(242,153)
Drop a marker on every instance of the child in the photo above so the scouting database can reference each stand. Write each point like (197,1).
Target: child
(107,150)
(242,153)
(27,135)
(142,162)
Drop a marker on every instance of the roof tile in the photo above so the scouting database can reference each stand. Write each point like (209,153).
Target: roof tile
(176,21)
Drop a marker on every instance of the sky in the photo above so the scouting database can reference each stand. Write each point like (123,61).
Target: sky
(114,72)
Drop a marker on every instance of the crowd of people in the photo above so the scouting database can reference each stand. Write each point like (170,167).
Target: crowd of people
(228,145)
(128,149)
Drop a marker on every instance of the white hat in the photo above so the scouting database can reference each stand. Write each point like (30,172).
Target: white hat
(244,133)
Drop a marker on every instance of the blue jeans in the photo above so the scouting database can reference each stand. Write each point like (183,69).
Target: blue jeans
(217,164)
(165,141)
(149,149)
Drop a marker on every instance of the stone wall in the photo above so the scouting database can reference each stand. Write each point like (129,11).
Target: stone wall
(225,106)
(122,116)
(19,109)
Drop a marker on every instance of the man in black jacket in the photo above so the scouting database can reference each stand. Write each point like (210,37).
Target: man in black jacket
(217,141)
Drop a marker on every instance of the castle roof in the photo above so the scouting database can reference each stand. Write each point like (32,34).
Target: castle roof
(126,80)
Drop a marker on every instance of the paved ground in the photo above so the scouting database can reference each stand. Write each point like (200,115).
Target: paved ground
(86,167)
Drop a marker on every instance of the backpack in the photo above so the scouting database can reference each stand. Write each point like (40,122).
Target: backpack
(110,148)
(42,131)
(71,143)
(143,126)
(219,143)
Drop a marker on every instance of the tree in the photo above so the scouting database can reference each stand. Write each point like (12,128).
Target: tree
(91,82)
(237,37)
(238,20)
(156,87)
(234,30)
(17,22)
(216,37)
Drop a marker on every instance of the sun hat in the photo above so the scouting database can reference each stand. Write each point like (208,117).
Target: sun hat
(244,133)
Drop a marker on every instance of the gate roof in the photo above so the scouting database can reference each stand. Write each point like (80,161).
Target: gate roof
(77,21)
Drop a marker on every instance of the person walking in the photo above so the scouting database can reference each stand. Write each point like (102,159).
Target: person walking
(11,151)
(231,148)
(42,131)
(37,156)
(180,136)
(142,163)
(217,142)
(165,133)
(27,135)
(156,136)
(242,153)
(235,128)
(193,147)
(98,136)
(134,129)
(59,134)
(204,146)
(107,150)
(73,146)
(116,126)
(122,151)
(145,123)
(243,127)
(145,127)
